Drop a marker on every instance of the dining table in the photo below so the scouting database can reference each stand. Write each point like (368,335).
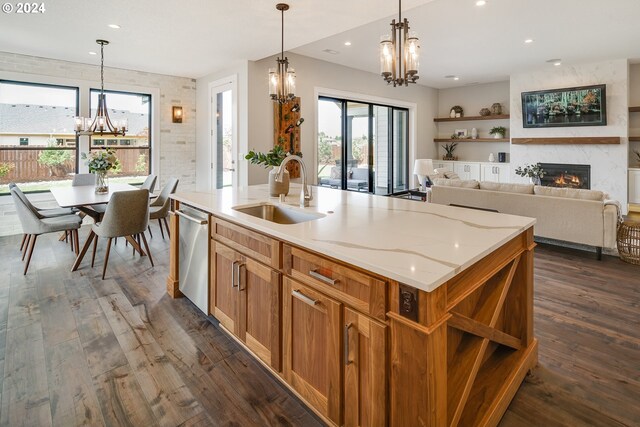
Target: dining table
(83,196)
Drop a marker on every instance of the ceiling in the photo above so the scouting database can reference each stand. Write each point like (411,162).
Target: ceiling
(479,44)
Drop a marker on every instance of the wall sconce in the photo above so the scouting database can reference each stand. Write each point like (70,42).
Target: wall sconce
(177,114)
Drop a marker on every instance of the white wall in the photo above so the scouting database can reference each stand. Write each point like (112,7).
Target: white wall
(472,99)
(313,74)
(204,154)
(608,162)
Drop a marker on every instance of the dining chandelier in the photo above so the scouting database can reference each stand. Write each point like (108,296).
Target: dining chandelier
(282,80)
(101,124)
(399,53)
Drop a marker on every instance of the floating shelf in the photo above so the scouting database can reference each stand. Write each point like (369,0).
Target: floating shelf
(634,138)
(569,140)
(471,140)
(634,109)
(473,118)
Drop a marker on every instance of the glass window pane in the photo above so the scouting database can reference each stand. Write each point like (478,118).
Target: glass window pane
(37,141)
(329,143)
(381,137)
(357,140)
(132,150)
(400,150)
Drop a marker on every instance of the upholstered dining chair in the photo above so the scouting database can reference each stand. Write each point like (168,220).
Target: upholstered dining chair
(127,215)
(150,183)
(46,213)
(159,208)
(35,224)
(80,179)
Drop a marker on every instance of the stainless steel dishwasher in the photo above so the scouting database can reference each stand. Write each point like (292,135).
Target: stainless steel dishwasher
(193,253)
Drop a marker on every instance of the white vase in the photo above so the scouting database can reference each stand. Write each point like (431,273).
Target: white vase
(491,157)
(474,133)
(276,188)
(498,136)
(535,180)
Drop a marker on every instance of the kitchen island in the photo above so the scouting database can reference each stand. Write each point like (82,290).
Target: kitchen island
(373,310)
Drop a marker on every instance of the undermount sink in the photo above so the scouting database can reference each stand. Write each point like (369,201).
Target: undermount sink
(277,214)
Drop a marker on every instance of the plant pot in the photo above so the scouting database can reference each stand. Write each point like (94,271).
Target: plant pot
(276,188)
(498,135)
(535,180)
(102,182)
(450,158)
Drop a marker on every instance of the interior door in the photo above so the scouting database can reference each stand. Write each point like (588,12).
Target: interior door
(224,144)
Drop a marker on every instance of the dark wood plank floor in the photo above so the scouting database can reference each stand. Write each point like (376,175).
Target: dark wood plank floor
(77,350)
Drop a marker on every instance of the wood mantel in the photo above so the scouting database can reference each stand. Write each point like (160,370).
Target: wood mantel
(569,140)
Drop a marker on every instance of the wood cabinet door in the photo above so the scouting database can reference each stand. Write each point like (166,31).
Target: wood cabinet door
(226,295)
(312,351)
(364,370)
(260,307)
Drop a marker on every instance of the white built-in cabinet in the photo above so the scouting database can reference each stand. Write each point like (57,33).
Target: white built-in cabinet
(467,170)
(443,164)
(494,172)
(634,186)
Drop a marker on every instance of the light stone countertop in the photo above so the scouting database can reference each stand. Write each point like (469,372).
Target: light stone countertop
(419,244)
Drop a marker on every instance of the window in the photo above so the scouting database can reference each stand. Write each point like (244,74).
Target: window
(362,146)
(35,120)
(134,149)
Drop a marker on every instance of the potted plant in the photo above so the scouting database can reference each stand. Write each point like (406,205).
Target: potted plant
(637,153)
(534,172)
(498,132)
(273,158)
(100,162)
(449,148)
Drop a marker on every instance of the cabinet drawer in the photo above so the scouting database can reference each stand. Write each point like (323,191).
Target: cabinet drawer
(365,293)
(248,242)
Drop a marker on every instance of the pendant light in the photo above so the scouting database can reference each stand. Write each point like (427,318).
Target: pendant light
(282,80)
(399,53)
(102,124)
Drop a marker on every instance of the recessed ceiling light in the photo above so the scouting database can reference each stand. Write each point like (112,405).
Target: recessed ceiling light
(451,76)
(528,41)
(347,43)
(92,53)
(556,61)
(331,51)
(114,26)
(481,2)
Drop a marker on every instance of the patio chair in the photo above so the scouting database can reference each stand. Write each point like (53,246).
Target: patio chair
(127,215)
(159,208)
(35,224)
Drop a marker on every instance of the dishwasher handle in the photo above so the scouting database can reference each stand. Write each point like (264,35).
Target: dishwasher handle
(191,218)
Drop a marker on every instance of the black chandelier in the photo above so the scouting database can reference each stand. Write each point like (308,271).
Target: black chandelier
(399,53)
(101,124)
(282,80)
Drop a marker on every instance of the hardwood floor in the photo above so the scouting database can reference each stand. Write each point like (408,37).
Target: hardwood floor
(77,350)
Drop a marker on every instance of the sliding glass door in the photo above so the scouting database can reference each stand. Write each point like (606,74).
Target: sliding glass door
(362,146)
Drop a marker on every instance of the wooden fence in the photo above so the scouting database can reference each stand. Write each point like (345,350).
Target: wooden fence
(25,166)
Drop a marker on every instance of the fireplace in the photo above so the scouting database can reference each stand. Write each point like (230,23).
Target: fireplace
(566,175)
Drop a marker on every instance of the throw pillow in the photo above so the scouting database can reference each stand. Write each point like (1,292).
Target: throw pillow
(451,175)
(507,188)
(570,193)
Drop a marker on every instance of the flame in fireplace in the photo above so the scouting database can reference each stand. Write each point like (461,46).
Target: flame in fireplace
(567,180)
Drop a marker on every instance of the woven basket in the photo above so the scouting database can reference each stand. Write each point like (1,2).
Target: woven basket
(628,237)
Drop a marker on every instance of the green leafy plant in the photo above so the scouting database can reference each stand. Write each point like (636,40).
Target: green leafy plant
(141,164)
(5,168)
(54,159)
(499,130)
(273,157)
(449,149)
(102,160)
(531,171)
(637,153)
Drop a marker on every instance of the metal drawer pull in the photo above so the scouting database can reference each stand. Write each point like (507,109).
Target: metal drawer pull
(234,277)
(323,278)
(305,299)
(191,218)
(346,343)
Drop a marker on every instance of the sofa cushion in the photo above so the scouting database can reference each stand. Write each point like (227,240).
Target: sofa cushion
(472,183)
(570,193)
(507,188)
(451,175)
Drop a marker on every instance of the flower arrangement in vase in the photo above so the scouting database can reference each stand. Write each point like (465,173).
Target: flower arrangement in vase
(273,158)
(100,162)
(534,172)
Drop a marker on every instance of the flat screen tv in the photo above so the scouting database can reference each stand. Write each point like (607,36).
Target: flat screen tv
(575,106)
